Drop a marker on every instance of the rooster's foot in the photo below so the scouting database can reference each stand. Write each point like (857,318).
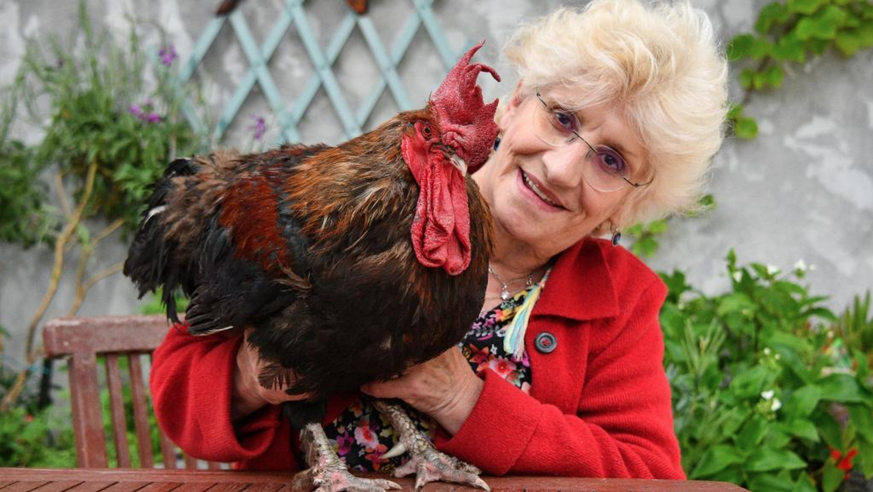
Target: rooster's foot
(428,464)
(327,472)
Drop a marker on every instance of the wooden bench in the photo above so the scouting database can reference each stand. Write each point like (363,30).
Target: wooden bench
(113,340)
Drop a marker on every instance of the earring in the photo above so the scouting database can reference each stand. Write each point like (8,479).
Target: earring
(616,235)
(497,142)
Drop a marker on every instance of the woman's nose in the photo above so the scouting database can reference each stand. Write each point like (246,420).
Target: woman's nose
(563,165)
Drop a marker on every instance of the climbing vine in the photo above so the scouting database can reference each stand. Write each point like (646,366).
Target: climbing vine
(791,33)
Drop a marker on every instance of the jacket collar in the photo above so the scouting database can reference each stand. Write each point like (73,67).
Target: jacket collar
(580,286)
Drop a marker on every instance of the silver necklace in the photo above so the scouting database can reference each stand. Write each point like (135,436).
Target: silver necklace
(504,286)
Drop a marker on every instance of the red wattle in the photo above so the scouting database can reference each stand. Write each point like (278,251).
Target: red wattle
(441,227)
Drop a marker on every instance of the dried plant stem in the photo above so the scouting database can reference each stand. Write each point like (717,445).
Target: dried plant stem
(171,151)
(107,231)
(84,256)
(62,194)
(65,236)
(83,287)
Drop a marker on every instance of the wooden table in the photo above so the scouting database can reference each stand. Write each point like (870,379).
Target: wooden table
(129,480)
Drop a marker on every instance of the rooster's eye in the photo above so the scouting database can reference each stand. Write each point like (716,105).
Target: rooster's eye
(425,129)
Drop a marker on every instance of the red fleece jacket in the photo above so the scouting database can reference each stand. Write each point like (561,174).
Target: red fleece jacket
(599,404)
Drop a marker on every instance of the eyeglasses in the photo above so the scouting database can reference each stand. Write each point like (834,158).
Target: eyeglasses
(604,169)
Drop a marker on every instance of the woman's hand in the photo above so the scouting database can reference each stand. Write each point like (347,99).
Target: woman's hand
(248,394)
(444,388)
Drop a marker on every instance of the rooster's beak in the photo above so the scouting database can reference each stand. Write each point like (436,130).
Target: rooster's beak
(457,161)
(460,164)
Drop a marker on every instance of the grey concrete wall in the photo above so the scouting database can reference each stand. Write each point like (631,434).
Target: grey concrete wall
(803,190)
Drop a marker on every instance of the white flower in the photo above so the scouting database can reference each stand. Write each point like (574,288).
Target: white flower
(772,270)
(776,405)
(800,265)
(768,394)
(738,276)
(777,356)
(766,350)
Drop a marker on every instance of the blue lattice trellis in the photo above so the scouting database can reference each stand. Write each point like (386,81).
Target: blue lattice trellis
(323,59)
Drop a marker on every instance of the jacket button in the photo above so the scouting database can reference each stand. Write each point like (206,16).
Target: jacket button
(546,342)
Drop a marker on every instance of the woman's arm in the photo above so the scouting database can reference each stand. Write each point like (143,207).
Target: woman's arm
(623,425)
(204,400)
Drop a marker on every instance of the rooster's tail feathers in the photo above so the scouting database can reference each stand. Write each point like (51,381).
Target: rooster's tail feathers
(150,260)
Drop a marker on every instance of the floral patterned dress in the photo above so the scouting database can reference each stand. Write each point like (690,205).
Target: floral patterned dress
(360,435)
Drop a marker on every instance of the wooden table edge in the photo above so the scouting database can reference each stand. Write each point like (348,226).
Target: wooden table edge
(236,476)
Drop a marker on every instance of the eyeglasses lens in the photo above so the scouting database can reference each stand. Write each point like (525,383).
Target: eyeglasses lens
(603,168)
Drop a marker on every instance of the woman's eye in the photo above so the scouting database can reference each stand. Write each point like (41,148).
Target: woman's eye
(564,121)
(612,162)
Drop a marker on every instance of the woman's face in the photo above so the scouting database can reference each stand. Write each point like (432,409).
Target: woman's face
(525,170)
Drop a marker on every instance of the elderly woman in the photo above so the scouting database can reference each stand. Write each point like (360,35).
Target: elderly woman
(617,113)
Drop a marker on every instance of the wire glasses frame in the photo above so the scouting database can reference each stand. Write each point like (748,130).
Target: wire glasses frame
(601,152)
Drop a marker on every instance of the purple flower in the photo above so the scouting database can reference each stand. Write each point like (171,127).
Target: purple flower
(168,55)
(345,442)
(259,127)
(144,112)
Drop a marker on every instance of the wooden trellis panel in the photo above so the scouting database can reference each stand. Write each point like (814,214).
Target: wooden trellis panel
(290,113)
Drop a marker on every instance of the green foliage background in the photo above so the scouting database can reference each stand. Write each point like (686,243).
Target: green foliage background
(766,385)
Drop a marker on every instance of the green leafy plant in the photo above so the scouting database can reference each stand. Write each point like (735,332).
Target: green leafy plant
(103,114)
(645,238)
(21,438)
(792,32)
(25,218)
(109,135)
(43,437)
(156,306)
(855,327)
(762,397)
(25,436)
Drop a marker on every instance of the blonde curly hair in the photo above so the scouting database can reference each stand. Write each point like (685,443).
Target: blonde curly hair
(662,68)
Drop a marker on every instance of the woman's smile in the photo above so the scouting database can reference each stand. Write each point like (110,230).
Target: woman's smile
(535,192)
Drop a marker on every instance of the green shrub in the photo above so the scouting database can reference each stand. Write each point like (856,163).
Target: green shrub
(100,104)
(43,438)
(21,437)
(855,327)
(791,33)
(30,436)
(762,395)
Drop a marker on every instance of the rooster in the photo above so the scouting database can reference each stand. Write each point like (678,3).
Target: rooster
(351,263)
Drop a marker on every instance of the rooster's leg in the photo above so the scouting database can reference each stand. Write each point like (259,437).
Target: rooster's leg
(327,472)
(428,464)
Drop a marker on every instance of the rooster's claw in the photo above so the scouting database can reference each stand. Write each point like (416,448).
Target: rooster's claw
(428,464)
(431,465)
(337,479)
(328,473)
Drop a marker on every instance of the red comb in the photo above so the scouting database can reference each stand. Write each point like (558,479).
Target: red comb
(467,123)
